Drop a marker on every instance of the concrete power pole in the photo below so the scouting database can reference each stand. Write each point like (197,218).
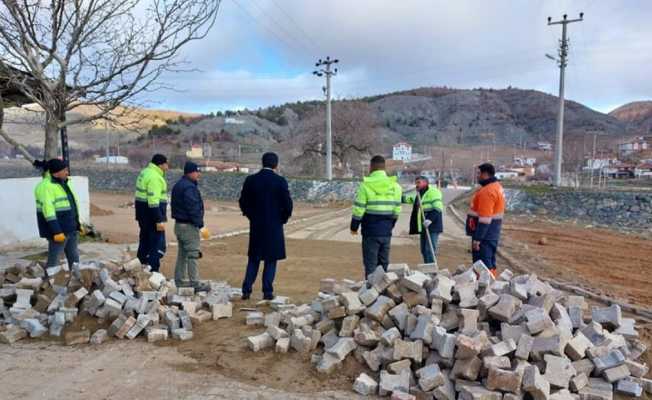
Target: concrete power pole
(325,69)
(562,61)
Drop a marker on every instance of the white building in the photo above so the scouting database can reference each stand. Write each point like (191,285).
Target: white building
(506,174)
(402,152)
(545,146)
(633,146)
(122,160)
(525,161)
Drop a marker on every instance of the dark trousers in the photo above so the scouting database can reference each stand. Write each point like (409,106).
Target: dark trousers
(428,257)
(375,252)
(151,245)
(269,271)
(69,247)
(487,253)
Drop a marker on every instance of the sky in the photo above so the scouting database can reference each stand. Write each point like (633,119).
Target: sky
(263,52)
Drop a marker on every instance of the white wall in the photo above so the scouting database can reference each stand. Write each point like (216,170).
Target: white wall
(18,221)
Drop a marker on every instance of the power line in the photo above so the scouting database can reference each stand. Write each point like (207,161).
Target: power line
(293,22)
(258,21)
(281,27)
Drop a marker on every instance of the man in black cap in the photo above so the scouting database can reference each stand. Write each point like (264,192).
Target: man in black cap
(151,211)
(188,213)
(57,213)
(265,201)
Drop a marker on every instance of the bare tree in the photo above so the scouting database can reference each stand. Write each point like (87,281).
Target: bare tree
(356,133)
(65,53)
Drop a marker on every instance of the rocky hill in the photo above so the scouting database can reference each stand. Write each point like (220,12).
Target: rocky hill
(637,114)
(436,116)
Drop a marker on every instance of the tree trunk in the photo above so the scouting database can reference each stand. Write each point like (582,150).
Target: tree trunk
(21,149)
(51,147)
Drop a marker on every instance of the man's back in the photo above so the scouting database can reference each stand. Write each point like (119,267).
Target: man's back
(265,197)
(265,201)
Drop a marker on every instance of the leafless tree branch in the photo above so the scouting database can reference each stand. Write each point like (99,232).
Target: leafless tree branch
(65,53)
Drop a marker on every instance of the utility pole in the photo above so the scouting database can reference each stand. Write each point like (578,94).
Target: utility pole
(562,61)
(595,140)
(325,69)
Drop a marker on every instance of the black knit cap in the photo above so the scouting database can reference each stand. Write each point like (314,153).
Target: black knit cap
(190,167)
(159,159)
(55,165)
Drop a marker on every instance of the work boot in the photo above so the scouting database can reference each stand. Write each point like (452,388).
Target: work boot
(268,297)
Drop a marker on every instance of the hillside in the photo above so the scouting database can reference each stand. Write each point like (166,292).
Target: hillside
(429,116)
(637,114)
(26,125)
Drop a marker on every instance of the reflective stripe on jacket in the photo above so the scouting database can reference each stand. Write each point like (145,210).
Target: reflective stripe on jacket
(485,217)
(433,206)
(55,213)
(151,195)
(377,205)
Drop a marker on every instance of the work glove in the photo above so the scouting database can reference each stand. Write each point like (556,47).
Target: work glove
(82,231)
(427,223)
(59,238)
(205,234)
(160,227)
(354,233)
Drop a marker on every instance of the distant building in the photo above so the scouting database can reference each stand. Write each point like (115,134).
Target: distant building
(402,152)
(195,151)
(544,146)
(640,143)
(234,121)
(525,161)
(121,160)
(644,170)
(222,166)
(506,174)
(599,163)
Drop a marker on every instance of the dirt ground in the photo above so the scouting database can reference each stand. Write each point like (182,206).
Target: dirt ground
(113,216)
(616,264)
(215,364)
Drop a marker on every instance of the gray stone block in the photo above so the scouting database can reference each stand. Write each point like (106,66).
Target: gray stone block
(430,377)
(505,308)
(608,316)
(365,385)
(629,388)
(559,371)
(504,380)
(535,384)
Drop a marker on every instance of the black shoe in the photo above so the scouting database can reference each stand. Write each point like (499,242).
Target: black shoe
(246,296)
(268,297)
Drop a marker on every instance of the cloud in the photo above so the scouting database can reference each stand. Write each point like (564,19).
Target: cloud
(262,52)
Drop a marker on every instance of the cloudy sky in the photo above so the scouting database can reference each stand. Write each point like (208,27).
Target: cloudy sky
(262,52)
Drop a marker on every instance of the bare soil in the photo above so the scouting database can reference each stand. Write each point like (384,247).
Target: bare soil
(616,264)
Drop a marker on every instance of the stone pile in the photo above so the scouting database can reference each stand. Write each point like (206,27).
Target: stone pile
(125,297)
(427,334)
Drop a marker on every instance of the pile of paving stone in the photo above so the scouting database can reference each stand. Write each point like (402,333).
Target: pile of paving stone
(426,334)
(126,297)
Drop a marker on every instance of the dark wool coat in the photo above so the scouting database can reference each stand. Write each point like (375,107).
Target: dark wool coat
(265,200)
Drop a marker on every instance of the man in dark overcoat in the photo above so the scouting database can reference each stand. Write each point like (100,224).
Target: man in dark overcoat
(265,200)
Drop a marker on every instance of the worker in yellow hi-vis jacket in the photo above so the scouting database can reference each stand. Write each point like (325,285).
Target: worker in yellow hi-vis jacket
(151,211)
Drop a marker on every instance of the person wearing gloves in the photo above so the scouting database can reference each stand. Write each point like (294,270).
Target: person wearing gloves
(188,213)
(151,211)
(432,204)
(57,213)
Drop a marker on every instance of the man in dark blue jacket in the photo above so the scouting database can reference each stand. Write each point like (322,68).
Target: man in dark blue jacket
(265,201)
(188,213)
